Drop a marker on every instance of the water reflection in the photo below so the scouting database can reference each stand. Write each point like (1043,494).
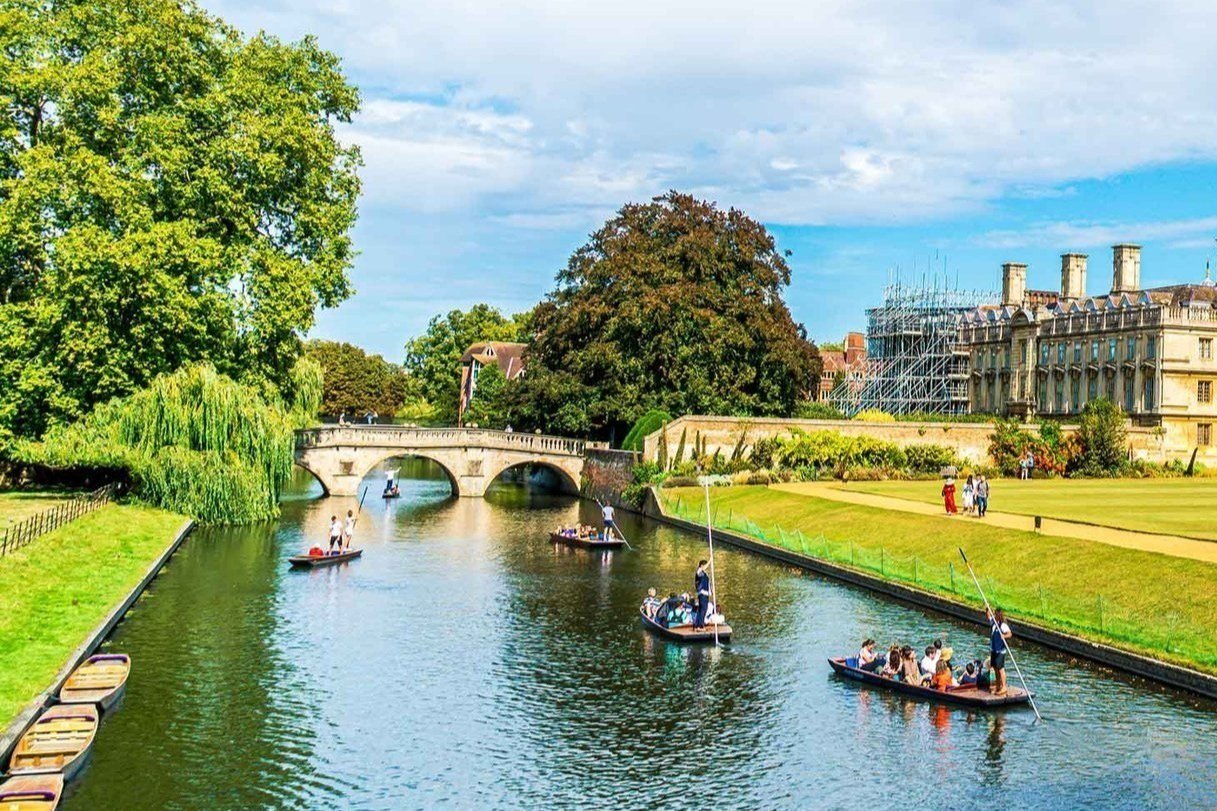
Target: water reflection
(465,660)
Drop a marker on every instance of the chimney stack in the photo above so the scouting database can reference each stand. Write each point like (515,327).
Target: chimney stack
(1073,276)
(1126,268)
(1013,284)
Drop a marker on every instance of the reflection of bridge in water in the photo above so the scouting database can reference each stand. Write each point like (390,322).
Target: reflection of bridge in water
(340,456)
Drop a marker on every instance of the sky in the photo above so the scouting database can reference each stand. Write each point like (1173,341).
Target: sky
(873,139)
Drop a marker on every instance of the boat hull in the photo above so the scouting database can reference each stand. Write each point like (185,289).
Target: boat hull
(59,742)
(962,696)
(315,561)
(685,633)
(101,679)
(585,543)
(33,792)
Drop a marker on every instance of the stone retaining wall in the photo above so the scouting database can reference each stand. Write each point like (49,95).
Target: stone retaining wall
(606,473)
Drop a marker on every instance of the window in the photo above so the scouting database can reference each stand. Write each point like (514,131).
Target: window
(1077,351)
(1044,354)
(1204,391)
(1147,394)
(1129,395)
(1005,357)
(1206,348)
(1041,390)
(1111,387)
(1060,394)
(1130,349)
(1092,388)
(1060,353)
(1094,351)
(1111,349)
(1076,394)
(1204,434)
(1151,346)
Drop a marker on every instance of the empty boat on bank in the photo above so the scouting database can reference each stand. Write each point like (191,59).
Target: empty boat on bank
(31,792)
(100,679)
(59,741)
(966,695)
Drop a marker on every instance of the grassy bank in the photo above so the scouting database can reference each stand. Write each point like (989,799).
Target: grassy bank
(1154,604)
(56,590)
(19,506)
(1172,506)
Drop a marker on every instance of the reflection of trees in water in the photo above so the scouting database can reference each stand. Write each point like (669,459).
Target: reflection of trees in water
(206,671)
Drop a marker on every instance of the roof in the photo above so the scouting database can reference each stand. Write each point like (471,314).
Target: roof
(509,357)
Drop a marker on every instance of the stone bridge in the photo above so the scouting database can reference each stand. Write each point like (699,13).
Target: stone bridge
(340,456)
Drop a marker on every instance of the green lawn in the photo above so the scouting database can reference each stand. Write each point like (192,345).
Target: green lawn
(56,590)
(1150,603)
(18,505)
(1172,506)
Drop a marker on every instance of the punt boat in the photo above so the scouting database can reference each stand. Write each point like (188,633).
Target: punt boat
(59,741)
(314,561)
(99,680)
(685,633)
(394,493)
(595,542)
(969,695)
(31,792)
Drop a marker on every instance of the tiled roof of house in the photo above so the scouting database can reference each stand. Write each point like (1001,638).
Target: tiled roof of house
(508,356)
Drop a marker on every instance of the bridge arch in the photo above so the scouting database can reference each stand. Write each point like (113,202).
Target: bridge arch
(568,481)
(453,482)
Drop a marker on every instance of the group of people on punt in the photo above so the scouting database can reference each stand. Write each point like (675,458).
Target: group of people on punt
(936,669)
(341,533)
(584,532)
(696,609)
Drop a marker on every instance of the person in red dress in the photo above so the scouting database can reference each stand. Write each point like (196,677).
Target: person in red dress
(948,496)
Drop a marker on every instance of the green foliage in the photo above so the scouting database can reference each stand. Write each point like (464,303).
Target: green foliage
(815,454)
(488,408)
(673,304)
(1009,443)
(663,448)
(194,442)
(170,191)
(921,416)
(1102,439)
(831,346)
(680,447)
(644,426)
(356,382)
(645,474)
(813,410)
(874,415)
(433,359)
(929,458)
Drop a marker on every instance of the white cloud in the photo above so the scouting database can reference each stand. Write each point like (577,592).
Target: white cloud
(824,111)
(1188,233)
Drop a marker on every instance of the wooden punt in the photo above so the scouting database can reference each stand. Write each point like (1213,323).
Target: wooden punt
(685,633)
(313,561)
(394,493)
(31,792)
(99,680)
(586,543)
(969,696)
(59,741)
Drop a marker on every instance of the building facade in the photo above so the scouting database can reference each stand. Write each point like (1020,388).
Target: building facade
(845,367)
(509,357)
(1150,351)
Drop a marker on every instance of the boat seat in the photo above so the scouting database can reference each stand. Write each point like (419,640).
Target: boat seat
(851,661)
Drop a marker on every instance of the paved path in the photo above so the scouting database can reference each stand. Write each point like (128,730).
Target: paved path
(1147,542)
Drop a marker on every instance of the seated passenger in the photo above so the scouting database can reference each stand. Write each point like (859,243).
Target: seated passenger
(891,667)
(909,672)
(316,552)
(944,653)
(714,616)
(929,662)
(982,676)
(942,679)
(867,660)
(651,604)
(968,679)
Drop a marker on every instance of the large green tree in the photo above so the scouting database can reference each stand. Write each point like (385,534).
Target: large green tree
(673,304)
(433,359)
(356,382)
(170,191)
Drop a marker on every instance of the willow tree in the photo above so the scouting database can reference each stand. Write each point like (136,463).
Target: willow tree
(170,191)
(195,442)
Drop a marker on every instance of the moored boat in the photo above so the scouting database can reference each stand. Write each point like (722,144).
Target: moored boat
(31,792)
(966,695)
(592,542)
(313,561)
(59,741)
(686,633)
(99,680)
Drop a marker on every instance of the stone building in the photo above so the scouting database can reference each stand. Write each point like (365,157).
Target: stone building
(1047,353)
(509,357)
(848,365)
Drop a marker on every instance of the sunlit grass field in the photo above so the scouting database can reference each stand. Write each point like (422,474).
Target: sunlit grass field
(19,505)
(1171,506)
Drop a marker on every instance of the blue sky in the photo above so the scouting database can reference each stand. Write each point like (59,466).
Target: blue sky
(868,137)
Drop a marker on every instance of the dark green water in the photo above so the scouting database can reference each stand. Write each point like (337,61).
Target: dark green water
(466,662)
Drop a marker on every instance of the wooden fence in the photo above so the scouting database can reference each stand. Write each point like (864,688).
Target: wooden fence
(23,532)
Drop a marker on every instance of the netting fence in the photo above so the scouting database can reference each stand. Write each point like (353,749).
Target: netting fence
(22,533)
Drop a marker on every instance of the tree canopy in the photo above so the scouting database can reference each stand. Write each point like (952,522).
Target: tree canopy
(170,191)
(673,304)
(356,382)
(433,359)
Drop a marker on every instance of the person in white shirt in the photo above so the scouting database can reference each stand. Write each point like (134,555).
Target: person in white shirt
(610,526)
(867,660)
(349,529)
(335,533)
(929,662)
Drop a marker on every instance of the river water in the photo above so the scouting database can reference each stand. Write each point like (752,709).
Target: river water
(464,661)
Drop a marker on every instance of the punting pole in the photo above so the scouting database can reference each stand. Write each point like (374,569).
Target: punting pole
(620,534)
(710,538)
(1009,650)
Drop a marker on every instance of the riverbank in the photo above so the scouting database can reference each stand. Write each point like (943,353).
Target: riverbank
(1145,603)
(58,589)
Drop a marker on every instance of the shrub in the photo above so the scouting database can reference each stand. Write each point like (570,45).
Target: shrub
(874,415)
(812,410)
(680,481)
(643,427)
(929,458)
(1102,439)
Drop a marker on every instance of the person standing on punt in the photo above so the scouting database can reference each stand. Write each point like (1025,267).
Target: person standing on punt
(701,584)
(998,634)
(610,525)
(349,529)
(335,533)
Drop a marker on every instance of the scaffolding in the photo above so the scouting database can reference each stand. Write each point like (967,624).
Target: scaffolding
(914,362)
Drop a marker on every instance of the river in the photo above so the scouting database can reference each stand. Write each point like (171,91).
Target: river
(464,661)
